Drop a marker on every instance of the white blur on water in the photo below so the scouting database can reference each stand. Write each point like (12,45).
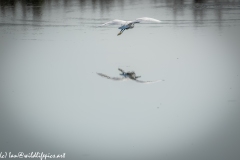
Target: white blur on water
(53,101)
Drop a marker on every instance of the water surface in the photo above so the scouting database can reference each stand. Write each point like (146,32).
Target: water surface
(53,101)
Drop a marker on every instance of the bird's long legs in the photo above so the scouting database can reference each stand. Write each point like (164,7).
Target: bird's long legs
(121,32)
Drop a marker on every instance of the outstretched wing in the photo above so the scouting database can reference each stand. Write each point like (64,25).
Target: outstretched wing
(112,78)
(147,82)
(115,22)
(146,19)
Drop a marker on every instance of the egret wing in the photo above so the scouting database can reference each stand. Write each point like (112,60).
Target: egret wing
(115,22)
(146,19)
(112,78)
(147,82)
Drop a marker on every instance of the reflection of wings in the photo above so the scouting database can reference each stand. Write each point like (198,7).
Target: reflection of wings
(146,19)
(147,82)
(115,21)
(112,78)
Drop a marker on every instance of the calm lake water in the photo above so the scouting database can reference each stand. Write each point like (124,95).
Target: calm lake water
(53,101)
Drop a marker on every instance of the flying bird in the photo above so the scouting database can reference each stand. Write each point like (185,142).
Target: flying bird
(127,76)
(125,25)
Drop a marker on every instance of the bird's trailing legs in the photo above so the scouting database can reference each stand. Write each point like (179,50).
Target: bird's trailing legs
(121,32)
(120,70)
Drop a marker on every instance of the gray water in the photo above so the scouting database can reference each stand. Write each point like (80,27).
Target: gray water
(53,101)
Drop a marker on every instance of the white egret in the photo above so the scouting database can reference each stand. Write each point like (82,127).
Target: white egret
(125,25)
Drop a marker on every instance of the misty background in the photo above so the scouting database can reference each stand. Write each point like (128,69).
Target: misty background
(52,100)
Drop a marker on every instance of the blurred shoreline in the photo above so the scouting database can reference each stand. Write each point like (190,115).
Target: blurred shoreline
(33,10)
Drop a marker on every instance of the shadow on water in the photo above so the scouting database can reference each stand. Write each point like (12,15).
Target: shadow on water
(33,9)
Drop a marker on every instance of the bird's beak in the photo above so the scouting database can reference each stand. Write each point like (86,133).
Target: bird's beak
(119,33)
